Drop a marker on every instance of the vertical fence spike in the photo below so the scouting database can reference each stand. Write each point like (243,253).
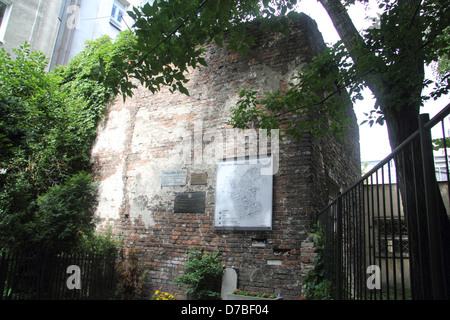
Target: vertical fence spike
(45,276)
(339,249)
(384,225)
(432,197)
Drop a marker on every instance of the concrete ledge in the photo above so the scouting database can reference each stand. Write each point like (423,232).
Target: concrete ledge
(231,296)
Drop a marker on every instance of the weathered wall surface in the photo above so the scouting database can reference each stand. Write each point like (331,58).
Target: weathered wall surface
(151,133)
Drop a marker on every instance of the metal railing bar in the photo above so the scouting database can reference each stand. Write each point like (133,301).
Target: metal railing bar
(339,249)
(444,137)
(353,244)
(349,251)
(26,276)
(366,229)
(362,236)
(386,248)
(347,242)
(442,114)
(378,228)
(400,214)
(373,227)
(434,235)
(393,235)
(438,117)
(357,242)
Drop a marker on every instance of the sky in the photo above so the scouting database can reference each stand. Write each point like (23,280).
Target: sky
(374,141)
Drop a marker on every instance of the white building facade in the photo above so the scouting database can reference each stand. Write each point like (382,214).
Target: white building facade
(83,20)
(32,21)
(60,28)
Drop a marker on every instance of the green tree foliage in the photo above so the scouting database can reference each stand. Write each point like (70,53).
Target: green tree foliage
(388,59)
(48,123)
(170,36)
(312,92)
(94,74)
(443,67)
(315,284)
(378,59)
(65,211)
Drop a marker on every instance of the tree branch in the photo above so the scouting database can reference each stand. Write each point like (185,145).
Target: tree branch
(342,23)
(147,54)
(354,42)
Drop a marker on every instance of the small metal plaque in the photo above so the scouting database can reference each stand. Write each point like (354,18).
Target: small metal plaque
(171,178)
(193,202)
(199,179)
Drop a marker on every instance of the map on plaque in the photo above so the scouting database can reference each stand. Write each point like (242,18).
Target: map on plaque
(244,194)
(171,178)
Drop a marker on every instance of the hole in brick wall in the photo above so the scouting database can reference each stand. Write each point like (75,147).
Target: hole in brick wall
(259,243)
(281,252)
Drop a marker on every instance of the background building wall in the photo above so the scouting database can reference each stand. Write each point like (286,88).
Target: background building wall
(83,20)
(34,21)
(60,28)
(146,134)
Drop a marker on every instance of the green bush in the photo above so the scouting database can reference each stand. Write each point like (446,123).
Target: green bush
(315,285)
(132,275)
(65,212)
(202,275)
(254,294)
(48,124)
(105,244)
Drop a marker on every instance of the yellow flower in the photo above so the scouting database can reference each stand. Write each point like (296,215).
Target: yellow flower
(156,292)
(166,293)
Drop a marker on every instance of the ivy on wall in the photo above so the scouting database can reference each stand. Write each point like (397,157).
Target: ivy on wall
(48,123)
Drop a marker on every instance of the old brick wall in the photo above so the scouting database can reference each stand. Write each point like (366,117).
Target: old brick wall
(308,257)
(150,133)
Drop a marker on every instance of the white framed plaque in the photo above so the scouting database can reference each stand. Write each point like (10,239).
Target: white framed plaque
(172,178)
(244,192)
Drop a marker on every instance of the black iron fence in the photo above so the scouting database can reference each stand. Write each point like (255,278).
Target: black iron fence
(382,237)
(56,277)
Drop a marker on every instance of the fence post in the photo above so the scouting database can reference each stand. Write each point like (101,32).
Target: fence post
(432,197)
(338,266)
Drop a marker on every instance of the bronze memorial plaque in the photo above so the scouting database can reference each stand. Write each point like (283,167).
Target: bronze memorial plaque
(198,179)
(192,202)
